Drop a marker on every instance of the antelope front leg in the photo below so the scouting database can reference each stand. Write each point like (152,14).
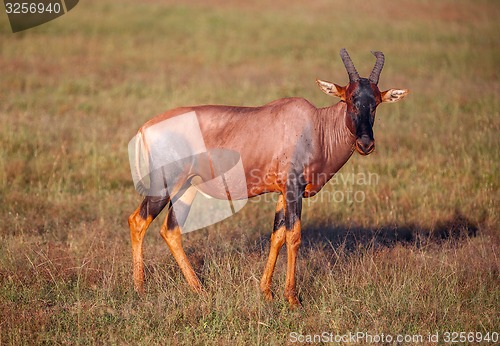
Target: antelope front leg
(292,225)
(292,248)
(277,241)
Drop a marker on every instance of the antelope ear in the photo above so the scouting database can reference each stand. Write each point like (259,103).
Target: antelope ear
(394,95)
(331,89)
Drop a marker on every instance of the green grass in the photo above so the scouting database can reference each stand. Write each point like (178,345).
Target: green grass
(418,255)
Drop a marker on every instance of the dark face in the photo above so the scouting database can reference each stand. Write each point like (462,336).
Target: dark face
(362,98)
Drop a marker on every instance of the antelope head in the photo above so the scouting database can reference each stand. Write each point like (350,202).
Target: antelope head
(362,97)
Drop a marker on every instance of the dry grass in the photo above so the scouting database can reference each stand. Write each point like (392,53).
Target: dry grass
(418,255)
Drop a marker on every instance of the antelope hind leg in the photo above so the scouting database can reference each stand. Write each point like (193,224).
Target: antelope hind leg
(139,222)
(171,233)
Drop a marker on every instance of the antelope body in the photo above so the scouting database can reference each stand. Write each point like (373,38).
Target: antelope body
(287,146)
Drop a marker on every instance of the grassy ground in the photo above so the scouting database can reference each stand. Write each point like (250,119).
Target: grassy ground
(417,255)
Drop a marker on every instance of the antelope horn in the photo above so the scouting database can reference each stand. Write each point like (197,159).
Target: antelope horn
(349,66)
(374,76)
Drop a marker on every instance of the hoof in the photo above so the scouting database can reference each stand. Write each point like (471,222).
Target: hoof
(140,290)
(268,295)
(294,302)
(195,285)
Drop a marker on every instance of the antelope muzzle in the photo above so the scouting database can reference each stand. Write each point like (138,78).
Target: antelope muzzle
(365,145)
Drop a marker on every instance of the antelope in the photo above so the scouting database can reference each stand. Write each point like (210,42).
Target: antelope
(289,147)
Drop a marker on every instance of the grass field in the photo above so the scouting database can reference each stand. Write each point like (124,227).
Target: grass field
(417,254)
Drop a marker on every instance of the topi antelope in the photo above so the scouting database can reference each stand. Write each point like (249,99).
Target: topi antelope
(287,146)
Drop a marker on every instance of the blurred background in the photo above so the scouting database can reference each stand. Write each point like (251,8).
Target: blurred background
(418,254)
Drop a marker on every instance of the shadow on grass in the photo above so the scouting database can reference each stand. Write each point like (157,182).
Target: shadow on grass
(456,228)
(346,239)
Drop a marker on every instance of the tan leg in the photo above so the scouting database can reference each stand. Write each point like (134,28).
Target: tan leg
(292,247)
(171,233)
(138,227)
(277,241)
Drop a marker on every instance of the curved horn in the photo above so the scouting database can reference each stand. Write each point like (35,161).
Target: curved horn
(374,76)
(349,66)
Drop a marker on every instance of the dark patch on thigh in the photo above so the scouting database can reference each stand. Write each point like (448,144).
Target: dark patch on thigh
(152,206)
(294,192)
(174,220)
(294,211)
(279,219)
